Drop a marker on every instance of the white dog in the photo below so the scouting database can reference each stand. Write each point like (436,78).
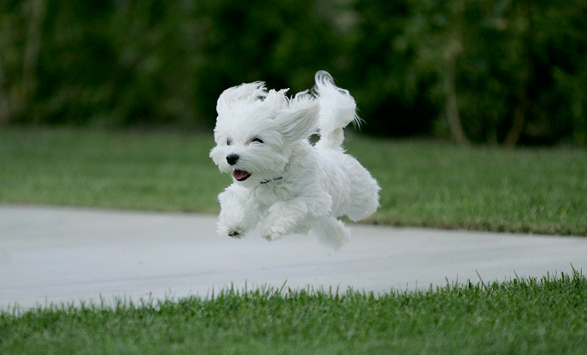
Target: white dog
(282,182)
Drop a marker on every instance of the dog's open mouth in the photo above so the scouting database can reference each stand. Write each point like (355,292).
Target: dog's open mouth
(240,175)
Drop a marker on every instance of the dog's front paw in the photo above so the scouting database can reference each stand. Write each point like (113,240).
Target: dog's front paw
(233,232)
(271,235)
(236,233)
(274,231)
(280,222)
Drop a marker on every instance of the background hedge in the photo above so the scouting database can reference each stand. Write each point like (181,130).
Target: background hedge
(481,71)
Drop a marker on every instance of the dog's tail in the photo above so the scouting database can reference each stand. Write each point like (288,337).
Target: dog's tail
(337,110)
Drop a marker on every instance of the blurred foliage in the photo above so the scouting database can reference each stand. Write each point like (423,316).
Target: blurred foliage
(497,72)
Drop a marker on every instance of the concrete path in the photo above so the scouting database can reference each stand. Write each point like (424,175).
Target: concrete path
(53,255)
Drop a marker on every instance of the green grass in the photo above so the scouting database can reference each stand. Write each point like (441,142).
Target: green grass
(167,171)
(521,316)
(424,183)
(540,190)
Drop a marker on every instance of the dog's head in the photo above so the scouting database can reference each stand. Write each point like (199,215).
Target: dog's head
(255,130)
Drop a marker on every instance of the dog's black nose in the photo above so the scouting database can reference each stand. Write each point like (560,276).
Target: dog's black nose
(232,159)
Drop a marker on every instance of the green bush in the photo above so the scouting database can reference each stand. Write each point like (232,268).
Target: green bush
(390,87)
(484,71)
(282,43)
(495,71)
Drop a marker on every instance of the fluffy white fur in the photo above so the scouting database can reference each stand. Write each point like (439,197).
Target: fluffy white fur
(280,181)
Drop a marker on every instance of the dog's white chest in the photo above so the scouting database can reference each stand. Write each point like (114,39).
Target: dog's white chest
(270,194)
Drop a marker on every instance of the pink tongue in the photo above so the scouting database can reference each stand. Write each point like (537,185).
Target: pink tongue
(240,174)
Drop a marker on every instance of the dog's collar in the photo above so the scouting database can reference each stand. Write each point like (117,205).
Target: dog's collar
(267,181)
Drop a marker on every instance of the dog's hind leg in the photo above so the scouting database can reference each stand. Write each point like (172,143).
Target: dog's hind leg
(331,233)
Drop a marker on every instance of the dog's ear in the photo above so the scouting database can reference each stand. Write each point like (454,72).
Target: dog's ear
(300,119)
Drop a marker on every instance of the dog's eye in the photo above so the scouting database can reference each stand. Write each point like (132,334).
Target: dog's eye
(228,141)
(257,140)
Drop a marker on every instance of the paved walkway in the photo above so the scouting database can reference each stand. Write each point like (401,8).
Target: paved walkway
(52,255)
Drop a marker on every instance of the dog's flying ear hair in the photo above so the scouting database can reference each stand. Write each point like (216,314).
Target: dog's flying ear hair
(245,93)
(251,95)
(300,119)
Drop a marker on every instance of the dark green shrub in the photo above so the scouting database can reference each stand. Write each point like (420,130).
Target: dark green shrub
(485,71)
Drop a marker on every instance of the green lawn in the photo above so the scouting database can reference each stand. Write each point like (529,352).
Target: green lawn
(424,183)
(522,316)
(167,171)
